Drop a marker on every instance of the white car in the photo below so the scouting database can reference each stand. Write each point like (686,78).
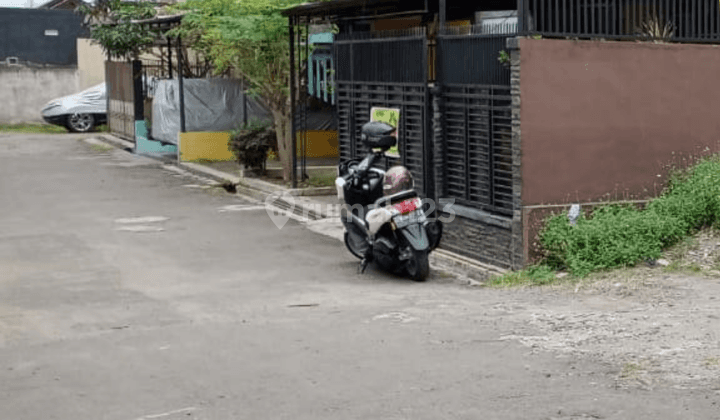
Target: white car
(79,113)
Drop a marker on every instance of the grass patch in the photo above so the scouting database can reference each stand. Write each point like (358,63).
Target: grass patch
(32,128)
(679,266)
(678,251)
(539,275)
(228,166)
(318,179)
(674,266)
(631,370)
(694,267)
(323,179)
(622,235)
(712,362)
(208,162)
(101,148)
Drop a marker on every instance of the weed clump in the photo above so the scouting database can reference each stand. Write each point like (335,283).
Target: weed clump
(622,235)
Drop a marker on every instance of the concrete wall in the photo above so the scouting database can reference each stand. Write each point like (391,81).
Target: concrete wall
(320,144)
(601,118)
(603,121)
(25,91)
(204,146)
(472,233)
(91,63)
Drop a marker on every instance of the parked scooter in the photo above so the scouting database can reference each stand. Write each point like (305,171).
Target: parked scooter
(384,217)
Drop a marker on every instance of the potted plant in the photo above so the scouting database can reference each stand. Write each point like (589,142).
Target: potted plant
(504,58)
(251,145)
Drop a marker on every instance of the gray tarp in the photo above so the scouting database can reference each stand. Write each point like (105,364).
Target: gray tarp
(210,105)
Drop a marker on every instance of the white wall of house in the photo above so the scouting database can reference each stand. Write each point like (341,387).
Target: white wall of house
(24,91)
(91,63)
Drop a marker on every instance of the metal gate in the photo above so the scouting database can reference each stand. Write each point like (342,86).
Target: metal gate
(377,70)
(477,119)
(125,97)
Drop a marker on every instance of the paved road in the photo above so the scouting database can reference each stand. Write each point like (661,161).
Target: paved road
(201,313)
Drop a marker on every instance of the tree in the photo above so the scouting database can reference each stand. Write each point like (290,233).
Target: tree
(111,25)
(252,37)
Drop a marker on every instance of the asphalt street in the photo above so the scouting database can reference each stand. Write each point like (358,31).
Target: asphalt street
(131,291)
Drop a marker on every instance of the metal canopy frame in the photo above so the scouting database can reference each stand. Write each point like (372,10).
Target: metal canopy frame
(325,12)
(162,25)
(340,11)
(298,93)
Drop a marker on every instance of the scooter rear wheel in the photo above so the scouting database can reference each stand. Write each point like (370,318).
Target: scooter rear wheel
(356,244)
(418,267)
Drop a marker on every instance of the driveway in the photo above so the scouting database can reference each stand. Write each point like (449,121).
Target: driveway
(129,290)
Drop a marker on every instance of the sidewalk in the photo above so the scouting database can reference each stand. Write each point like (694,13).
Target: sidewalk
(315,206)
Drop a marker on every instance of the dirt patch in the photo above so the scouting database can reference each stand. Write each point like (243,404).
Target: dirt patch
(672,342)
(698,254)
(656,326)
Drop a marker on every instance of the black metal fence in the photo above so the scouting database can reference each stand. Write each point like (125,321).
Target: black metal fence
(472,56)
(354,102)
(474,81)
(668,20)
(392,71)
(478,146)
(160,69)
(388,70)
(387,56)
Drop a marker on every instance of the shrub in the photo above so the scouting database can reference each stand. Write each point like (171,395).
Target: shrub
(620,235)
(251,144)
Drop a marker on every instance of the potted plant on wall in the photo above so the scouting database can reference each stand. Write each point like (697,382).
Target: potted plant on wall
(504,58)
(656,30)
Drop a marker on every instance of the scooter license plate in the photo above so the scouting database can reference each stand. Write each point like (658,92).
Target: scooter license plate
(407,206)
(413,218)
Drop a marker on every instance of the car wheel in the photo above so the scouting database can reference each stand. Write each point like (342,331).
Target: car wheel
(80,123)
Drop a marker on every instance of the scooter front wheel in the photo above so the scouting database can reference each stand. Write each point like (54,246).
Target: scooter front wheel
(356,244)
(418,267)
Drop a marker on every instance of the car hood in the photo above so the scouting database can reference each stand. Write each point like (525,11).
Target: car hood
(91,101)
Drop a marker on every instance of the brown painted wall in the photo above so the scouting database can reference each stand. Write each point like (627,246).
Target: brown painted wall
(601,118)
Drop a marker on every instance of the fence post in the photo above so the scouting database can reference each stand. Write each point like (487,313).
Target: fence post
(138,97)
(439,162)
(170,68)
(518,246)
(181,86)
(293,142)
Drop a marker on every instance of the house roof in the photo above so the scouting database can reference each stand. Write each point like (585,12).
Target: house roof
(163,23)
(373,9)
(355,7)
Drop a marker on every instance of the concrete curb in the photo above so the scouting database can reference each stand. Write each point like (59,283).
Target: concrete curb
(118,142)
(258,184)
(468,271)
